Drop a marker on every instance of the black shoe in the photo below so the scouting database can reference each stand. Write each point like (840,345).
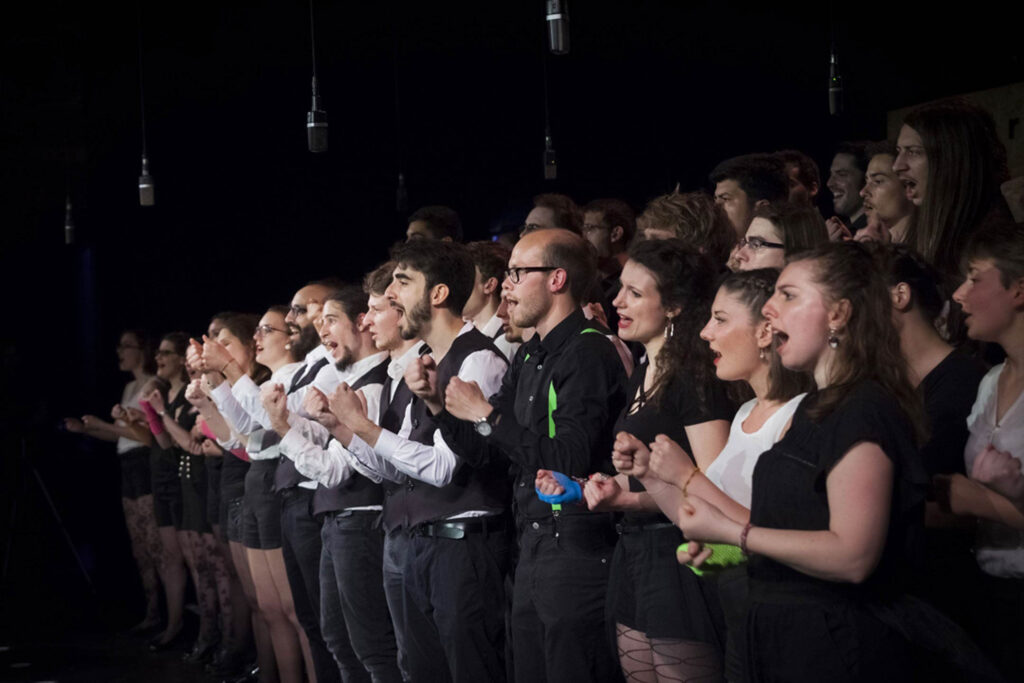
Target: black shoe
(156,646)
(201,653)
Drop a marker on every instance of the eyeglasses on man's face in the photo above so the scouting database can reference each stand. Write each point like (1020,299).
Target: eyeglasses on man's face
(516,274)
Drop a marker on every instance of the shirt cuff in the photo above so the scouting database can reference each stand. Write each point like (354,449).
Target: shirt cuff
(291,443)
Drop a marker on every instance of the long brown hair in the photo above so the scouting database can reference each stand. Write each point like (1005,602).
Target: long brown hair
(869,346)
(243,326)
(966,165)
(685,279)
(753,288)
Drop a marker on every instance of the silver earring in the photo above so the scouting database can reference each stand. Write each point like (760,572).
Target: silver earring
(761,354)
(833,338)
(670,329)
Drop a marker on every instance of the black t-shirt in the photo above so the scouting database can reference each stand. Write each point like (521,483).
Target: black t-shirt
(789,490)
(669,415)
(949,391)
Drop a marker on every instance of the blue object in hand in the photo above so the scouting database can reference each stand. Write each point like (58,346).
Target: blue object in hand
(573,492)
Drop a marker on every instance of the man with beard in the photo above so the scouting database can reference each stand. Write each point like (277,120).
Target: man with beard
(453,514)
(845,181)
(555,410)
(353,606)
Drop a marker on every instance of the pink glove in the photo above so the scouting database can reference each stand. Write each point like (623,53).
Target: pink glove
(156,425)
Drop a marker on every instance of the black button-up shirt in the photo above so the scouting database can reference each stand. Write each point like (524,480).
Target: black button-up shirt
(583,371)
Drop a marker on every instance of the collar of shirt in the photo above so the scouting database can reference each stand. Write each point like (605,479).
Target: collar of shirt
(397,366)
(283,375)
(561,333)
(491,327)
(361,367)
(318,352)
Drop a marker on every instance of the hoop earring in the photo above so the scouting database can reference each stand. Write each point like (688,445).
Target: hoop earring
(670,329)
(833,338)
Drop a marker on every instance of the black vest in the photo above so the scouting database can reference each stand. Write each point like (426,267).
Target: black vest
(484,488)
(286,476)
(357,490)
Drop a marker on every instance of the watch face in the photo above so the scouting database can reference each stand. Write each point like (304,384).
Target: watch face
(483,428)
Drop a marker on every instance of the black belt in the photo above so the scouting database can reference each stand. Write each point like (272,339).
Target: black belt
(457,529)
(626,528)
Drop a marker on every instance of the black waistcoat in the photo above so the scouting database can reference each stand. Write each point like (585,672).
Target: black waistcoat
(483,488)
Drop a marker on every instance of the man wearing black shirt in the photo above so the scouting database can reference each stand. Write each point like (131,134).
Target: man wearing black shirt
(555,410)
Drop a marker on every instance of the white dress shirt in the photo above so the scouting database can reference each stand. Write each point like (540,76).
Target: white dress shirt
(491,330)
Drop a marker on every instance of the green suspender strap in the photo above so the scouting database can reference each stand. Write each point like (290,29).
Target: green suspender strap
(552,405)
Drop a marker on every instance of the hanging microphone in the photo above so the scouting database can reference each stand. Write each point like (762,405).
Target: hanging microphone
(550,158)
(69,224)
(146,189)
(401,195)
(835,87)
(316,124)
(558,26)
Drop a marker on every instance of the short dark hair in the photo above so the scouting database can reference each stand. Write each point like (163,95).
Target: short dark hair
(447,263)
(760,176)
(441,221)
(615,212)
(873,149)
(377,280)
(807,169)
(351,298)
(576,257)
(491,258)
(1003,242)
(858,150)
(802,227)
(899,263)
(696,219)
(566,214)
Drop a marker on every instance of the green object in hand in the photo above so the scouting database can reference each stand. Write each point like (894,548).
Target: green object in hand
(723,555)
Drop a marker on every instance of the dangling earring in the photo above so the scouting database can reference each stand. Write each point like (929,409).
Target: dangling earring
(761,354)
(833,338)
(670,329)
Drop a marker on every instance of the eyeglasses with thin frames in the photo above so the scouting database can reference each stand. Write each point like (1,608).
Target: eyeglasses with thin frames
(755,243)
(264,330)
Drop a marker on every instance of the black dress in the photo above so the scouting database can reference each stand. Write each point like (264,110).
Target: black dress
(649,590)
(801,628)
(191,472)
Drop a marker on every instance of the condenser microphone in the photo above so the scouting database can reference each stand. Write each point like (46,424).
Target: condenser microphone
(550,159)
(558,26)
(401,195)
(316,124)
(835,87)
(69,224)
(146,189)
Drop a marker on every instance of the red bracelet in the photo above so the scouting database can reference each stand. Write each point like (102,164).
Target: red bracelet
(743,538)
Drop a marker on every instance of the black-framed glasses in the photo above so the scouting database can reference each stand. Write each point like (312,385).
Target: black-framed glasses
(756,243)
(264,330)
(516,274)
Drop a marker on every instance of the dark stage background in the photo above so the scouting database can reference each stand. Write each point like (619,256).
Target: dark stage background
(653,93)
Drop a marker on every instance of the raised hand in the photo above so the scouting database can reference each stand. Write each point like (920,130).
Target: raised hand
(215,355)
(874,231)
(195,395)
(317,404)
(629,455)
(465,400)
(669,462)
(194,356)
(74,425)
(275,402)
(117,412)
(837,230)
(999,471)
(421,378)
(602,493)
(347,405)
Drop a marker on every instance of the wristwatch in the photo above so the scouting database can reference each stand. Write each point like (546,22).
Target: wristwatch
(485,425)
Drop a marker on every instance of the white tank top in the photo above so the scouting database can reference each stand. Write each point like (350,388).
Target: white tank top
(733,469)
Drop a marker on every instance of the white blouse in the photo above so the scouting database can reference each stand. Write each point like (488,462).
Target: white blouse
(130,399)
(999,549)
(733,469)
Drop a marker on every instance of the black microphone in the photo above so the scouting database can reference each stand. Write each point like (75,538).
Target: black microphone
(401,195)
(69,224)
(146,189)
(316,124)
(835,87)
(558,26)
(550,159)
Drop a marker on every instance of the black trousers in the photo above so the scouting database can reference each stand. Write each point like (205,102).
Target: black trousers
(452,610)
(352,592)
(558,608)
(300,545)
(395,544)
